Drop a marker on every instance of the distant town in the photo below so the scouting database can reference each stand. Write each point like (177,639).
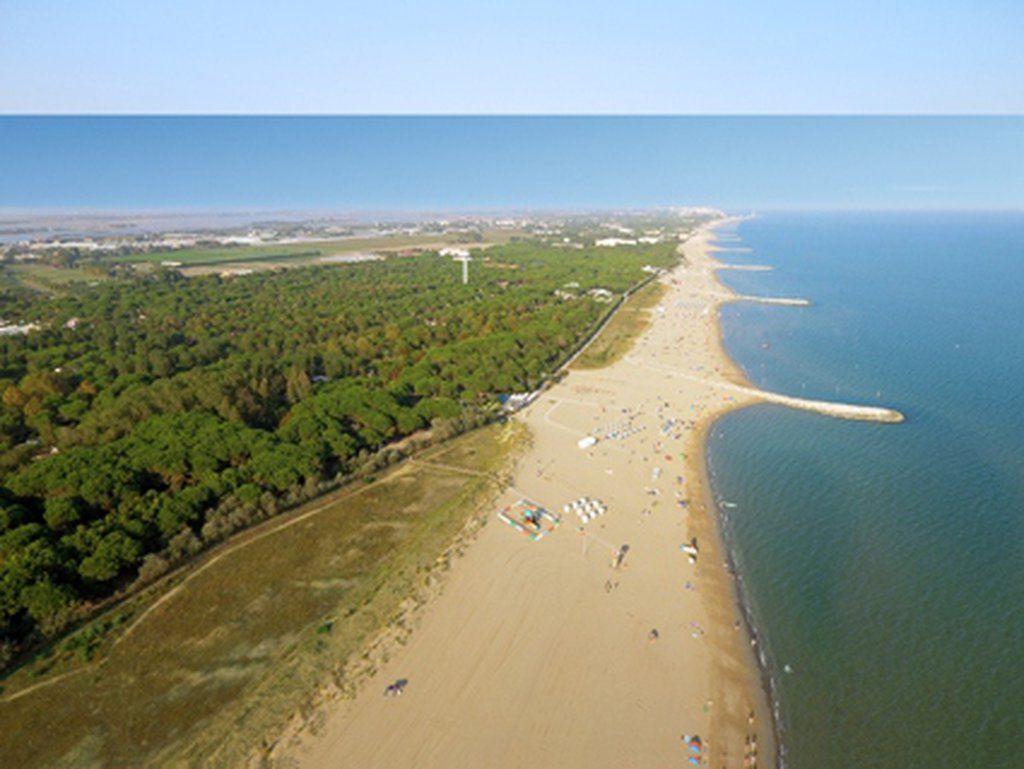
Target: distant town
(51,253)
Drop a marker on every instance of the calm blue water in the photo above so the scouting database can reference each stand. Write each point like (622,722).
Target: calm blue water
(885,564)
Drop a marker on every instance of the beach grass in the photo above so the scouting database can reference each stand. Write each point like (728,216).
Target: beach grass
(629,321)
(228,651)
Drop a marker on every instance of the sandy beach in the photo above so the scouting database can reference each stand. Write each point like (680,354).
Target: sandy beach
(603,643)
(542,653)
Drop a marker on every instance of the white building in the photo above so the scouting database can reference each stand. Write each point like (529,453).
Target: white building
(14,329)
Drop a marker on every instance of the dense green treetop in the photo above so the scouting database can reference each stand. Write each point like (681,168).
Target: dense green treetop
(146,417)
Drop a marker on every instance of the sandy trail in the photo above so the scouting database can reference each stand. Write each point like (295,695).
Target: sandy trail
(537,653)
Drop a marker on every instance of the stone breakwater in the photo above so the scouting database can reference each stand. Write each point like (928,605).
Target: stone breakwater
(783,300)
(747,267)
(828,408)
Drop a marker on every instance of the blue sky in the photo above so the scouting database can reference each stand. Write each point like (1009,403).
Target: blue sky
(435,163)
(528,56)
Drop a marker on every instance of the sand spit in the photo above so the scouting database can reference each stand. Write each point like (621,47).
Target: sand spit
(606,641)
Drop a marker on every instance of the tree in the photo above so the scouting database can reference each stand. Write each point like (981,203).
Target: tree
(173,406)
(62,513)
(48,604)
(115,553)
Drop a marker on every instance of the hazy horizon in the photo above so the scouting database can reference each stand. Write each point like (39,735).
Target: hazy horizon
(474,164)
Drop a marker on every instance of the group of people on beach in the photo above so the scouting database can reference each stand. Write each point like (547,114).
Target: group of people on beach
(750,746)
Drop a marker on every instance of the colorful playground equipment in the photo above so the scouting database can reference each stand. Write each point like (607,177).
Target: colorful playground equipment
(529,518)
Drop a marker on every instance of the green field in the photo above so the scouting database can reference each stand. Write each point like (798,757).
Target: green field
(626,325)
(284,251)
(200,671)
(48,279)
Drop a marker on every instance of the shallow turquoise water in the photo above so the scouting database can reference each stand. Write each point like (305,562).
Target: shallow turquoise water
(884,564)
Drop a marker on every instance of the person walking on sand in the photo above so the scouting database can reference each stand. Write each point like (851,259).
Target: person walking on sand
(618,557)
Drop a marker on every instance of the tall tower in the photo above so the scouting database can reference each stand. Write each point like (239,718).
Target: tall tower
(459,255)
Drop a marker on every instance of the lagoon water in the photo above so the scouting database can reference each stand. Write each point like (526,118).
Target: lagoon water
(884,565)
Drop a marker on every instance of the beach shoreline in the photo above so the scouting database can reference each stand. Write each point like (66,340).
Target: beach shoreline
(757,685)
(524,658)
(737,381)
(764,695)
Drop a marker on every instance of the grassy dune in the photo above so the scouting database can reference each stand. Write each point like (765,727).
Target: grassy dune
(201,672)
(627,324)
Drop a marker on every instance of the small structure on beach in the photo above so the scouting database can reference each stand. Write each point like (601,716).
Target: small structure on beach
(586,509)
(517,401)
(529,518)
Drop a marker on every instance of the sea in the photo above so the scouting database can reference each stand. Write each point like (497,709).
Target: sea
(882,565)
